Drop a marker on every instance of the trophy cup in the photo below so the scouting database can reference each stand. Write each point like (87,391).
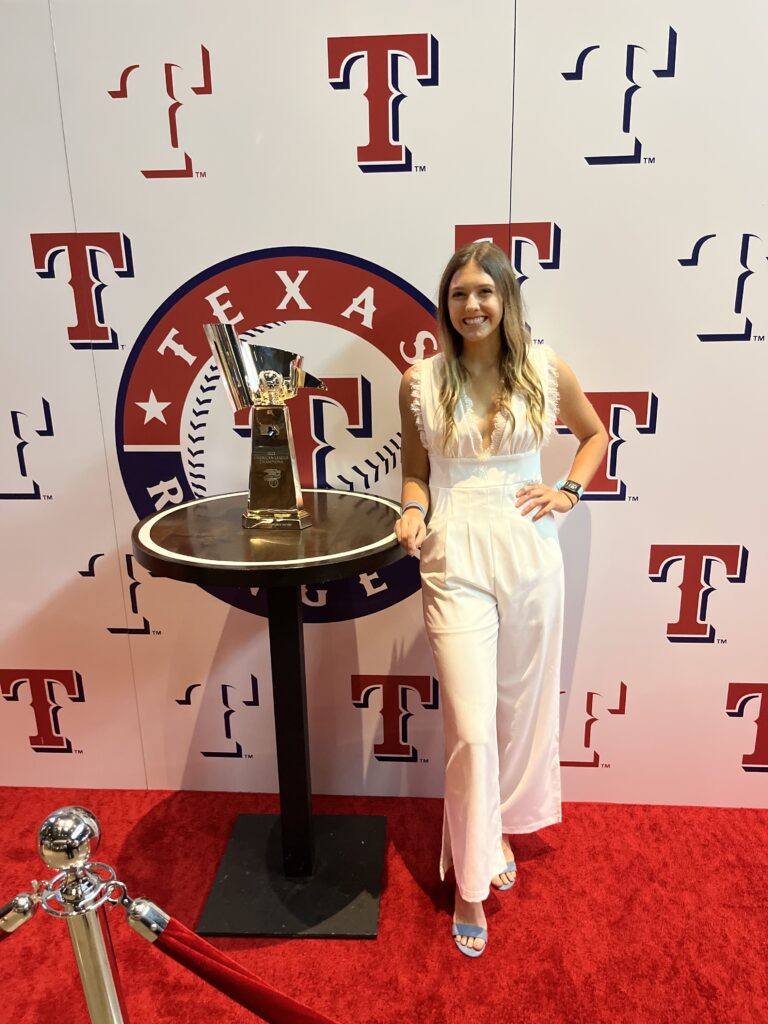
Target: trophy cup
(264,379)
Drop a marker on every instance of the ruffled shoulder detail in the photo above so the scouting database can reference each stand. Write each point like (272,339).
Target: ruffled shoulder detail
(416,372)
(546,364)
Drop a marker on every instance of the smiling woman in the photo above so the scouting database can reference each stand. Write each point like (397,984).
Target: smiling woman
(473,420)
(485,342)
(474,305)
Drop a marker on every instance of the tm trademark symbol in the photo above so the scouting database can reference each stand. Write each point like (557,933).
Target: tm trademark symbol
(722,639)
(420,168)
(634,497)
(538,341)
(78,750)
(758,337)
(423,760)
(604,765)
(157,632)
(649,159)
(201,174)
(47,497)
(248,756)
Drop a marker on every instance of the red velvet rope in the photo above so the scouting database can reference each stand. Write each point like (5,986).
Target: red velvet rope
(225,974)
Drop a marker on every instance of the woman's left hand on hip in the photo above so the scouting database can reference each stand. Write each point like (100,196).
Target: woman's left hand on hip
(546,499)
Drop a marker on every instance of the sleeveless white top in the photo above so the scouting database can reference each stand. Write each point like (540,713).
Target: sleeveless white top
(467,442)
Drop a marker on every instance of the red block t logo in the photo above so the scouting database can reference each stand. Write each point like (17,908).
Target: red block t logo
(384,151)
(739,695)
(543,235)
(394,712)
(82,248)
(48,739)
(609,405)
(695,586)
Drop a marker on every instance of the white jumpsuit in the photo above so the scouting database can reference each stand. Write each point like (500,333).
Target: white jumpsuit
(492,588)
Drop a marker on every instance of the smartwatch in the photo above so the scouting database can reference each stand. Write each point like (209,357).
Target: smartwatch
(571,487)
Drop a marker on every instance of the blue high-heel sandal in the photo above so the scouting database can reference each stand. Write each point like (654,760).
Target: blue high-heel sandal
(469,931)
(510,869)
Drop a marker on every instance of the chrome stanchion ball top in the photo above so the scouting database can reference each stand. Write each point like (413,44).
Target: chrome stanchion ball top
(65,841)
(67,837)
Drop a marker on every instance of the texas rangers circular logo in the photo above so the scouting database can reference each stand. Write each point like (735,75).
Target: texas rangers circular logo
(358,327)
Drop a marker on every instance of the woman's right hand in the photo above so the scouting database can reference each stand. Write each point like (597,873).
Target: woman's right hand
(411,530)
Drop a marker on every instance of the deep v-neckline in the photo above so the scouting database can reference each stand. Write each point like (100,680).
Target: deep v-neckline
(473,421)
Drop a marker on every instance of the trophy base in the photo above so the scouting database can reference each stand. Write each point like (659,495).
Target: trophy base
(276,519)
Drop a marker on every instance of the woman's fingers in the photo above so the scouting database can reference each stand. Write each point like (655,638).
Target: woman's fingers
(541,498)
(545,510)
(528,493)
(416,538)
(410,533)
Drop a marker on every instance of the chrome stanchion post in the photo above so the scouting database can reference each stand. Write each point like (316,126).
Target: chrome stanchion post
(65,842)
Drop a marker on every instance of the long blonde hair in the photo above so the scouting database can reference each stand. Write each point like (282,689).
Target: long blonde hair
(516,373)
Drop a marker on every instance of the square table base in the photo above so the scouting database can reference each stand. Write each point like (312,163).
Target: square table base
(251,895)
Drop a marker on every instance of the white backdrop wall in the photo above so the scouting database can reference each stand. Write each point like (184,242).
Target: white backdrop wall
(308,169)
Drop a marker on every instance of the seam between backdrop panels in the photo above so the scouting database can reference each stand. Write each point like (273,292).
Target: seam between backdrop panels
(512,115)
(122,580)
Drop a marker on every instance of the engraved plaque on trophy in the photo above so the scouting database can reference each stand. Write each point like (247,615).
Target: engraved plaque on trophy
(264,379)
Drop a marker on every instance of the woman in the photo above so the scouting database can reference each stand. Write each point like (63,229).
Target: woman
(473,420)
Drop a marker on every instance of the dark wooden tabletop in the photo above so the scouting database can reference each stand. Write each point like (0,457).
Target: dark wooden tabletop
(204,541)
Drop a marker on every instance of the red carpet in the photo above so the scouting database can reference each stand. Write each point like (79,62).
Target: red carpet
(621,914)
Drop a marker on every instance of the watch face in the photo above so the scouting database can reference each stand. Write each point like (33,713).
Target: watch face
(572,486)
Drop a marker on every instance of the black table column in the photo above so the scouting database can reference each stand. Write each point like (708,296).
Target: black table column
(286,646)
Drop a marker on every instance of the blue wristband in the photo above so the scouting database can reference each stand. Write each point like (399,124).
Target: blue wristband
(414,504)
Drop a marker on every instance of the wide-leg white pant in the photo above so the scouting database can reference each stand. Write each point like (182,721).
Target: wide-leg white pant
(492,586)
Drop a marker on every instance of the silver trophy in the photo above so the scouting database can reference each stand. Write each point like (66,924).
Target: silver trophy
(264,379)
